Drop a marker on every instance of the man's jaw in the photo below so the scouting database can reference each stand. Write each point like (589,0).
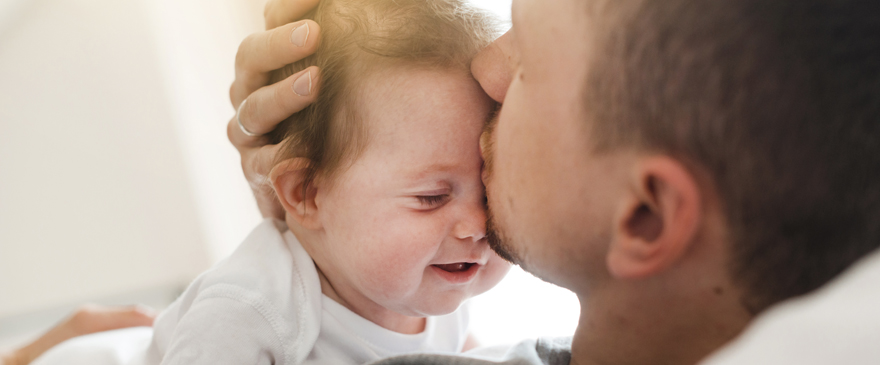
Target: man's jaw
(494,236)
(498,243)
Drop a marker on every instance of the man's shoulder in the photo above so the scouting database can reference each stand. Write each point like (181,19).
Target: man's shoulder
(554,351)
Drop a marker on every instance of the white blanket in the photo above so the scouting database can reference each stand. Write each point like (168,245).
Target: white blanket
(117,347)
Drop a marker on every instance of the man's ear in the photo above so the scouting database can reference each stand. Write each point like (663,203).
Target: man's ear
(659,220)
(289,178)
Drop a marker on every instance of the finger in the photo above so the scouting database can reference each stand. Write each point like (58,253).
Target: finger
(278,12)
(269,206)
(270,105)
(240,140)
(261,53)
(257,163)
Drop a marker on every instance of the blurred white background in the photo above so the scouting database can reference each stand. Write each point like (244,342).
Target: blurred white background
(117,183)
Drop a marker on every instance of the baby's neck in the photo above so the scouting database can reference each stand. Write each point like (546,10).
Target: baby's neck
(358,303)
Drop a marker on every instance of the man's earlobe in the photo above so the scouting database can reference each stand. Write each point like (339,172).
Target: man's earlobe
(298,199)
(658,222)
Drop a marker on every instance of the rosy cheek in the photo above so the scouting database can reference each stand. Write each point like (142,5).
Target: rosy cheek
(397,259)
(496,269)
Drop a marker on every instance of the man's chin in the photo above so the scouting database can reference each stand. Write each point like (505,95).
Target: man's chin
(499,244)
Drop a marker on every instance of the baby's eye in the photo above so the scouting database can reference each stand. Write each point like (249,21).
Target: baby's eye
(432,200)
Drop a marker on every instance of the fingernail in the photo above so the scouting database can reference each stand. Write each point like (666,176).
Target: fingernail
(300,35)
(303,85)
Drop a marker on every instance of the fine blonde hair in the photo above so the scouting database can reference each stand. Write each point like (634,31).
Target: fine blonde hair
(358,37)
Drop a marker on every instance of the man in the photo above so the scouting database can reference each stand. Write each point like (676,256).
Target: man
(680,165)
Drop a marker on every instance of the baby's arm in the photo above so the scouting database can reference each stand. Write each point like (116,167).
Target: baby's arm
(223,330)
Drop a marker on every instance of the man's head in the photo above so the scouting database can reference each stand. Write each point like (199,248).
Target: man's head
(698,145)
(777,102)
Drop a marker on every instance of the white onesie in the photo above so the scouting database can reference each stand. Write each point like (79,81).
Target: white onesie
(263,305)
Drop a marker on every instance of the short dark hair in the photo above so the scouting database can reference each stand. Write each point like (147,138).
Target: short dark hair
(778,100)
(357,38)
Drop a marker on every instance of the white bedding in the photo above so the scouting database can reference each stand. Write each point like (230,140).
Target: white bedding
(117,347)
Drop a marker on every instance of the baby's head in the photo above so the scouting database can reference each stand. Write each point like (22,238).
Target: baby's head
(380,178)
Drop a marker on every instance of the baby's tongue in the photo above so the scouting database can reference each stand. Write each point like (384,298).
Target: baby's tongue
(458,266)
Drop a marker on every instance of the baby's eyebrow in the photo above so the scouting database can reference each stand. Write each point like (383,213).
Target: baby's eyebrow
(420,172)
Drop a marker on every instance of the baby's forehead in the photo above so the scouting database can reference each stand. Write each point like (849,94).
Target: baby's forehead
(415,113)
(415,101)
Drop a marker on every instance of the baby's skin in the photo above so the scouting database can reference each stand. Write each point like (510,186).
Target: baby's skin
(398,234)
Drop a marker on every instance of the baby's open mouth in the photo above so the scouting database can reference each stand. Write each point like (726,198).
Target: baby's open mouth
(456,267)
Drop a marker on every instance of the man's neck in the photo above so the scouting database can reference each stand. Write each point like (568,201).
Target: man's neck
(620,329)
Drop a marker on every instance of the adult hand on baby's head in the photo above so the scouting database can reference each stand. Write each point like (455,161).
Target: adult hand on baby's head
(86,320)
(267,105)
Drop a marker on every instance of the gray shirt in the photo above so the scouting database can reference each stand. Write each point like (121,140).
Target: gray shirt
(543,351)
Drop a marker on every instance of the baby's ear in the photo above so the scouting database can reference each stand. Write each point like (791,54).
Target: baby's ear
(289,180)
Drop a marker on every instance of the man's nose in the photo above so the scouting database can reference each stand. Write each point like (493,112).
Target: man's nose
(494,66)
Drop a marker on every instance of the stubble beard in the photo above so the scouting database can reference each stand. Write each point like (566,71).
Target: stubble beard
(498,243)
(495,235)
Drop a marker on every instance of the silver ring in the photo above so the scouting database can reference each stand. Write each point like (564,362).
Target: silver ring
(238,118)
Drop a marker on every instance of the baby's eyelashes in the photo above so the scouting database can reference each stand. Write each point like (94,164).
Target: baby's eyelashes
(432,201)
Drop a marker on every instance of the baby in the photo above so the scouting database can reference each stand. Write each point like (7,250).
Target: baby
(380,180)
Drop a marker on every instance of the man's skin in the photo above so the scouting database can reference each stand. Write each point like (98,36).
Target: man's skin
(638,236)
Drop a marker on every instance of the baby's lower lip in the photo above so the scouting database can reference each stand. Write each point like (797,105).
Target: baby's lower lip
(457,273)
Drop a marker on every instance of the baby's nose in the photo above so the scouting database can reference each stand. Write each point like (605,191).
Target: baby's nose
(472,224)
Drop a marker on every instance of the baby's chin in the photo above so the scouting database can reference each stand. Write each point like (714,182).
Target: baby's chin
(435,305)
(435,308)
